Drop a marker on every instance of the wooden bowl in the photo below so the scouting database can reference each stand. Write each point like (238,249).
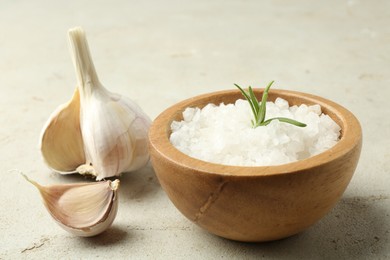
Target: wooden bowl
(255,203)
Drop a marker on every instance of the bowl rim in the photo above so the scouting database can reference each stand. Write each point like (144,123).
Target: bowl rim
(159,138)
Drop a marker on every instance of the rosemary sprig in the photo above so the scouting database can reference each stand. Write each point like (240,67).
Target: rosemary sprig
(259,110)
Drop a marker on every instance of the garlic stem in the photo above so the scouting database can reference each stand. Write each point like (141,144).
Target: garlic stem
(85,70)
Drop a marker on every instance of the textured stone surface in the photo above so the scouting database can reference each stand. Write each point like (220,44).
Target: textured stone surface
(161,52)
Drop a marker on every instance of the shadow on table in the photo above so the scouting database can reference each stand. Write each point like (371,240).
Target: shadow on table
(139,185)
(356,228)
(111,236)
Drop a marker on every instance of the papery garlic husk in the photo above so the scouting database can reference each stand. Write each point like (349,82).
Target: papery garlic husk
(98,132)
(83,209)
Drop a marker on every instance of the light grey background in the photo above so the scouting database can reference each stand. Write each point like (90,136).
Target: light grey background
(160,52)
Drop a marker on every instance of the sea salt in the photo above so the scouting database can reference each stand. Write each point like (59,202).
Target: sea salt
(223,134)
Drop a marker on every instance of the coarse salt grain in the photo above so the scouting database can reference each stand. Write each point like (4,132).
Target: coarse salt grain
(223,134)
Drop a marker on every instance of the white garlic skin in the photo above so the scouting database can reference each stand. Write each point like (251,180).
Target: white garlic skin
(95,230)
(114,131)
(107,219)
(97,132)
(61,142)
(82,209)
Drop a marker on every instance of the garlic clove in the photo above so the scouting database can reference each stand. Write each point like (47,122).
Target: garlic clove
(114,129)
(61,141)
(83,209)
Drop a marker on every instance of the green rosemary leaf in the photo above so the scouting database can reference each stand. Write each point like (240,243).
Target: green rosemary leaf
(284,120)
(248,98)
(254,100)
(263,104)
(260,110)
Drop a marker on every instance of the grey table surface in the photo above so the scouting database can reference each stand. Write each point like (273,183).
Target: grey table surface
(161,52)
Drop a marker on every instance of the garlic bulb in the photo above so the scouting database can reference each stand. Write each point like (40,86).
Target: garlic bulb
(97,132)
(83,209)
